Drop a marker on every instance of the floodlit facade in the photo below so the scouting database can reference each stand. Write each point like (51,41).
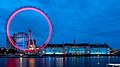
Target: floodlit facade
(76,49)
(57,49)
(99,49)
(21,40)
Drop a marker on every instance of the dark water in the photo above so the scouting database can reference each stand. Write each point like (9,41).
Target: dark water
(58,62)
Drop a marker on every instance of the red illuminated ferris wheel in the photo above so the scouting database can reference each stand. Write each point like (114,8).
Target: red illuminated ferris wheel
(24,9)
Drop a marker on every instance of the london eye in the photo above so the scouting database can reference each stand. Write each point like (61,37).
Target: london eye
(30,31)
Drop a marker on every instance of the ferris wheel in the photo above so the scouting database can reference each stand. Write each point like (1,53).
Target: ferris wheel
(33,9)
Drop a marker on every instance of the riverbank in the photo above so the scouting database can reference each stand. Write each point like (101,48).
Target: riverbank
(55,55)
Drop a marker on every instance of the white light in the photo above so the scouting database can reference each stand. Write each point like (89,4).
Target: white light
(20,61)
(49,53)
(59,53)
(31,48)
(30,45)
(113,64)
(37,48)
(21,54)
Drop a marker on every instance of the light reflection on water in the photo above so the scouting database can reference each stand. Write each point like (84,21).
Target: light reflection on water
(58,62)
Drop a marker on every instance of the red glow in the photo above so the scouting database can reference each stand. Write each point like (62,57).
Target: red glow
(12,62)
(24,9)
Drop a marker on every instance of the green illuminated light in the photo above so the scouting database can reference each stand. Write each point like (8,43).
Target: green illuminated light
(98,63)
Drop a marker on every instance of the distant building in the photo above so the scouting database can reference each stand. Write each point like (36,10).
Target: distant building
(54,49)
(21,40)
(84,48)
(8,43)
(99,49)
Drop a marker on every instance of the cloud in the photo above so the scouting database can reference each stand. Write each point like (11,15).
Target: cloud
(85,20)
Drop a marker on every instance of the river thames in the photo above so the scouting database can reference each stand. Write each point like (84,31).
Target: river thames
(59,62)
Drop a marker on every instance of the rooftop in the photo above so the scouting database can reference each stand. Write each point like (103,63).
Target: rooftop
(79,45)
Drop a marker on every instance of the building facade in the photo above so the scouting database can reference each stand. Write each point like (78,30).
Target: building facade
(21,40)
(76,49)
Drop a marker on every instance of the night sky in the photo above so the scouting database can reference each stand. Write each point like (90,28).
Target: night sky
(94,21)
